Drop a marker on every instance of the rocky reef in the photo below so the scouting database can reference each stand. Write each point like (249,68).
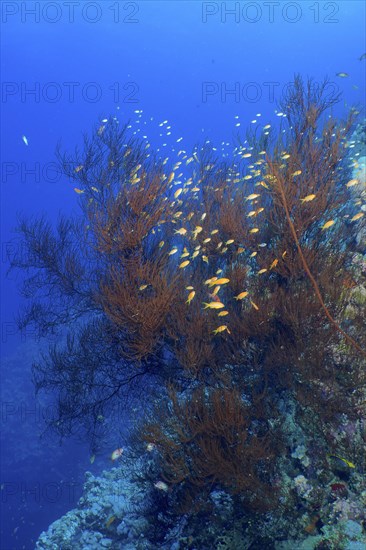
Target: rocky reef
(119,512)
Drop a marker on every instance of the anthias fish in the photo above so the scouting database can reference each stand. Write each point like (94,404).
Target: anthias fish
(328,224)
(213,305)
(221,328)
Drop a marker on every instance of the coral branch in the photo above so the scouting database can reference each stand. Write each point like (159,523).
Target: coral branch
(304,262)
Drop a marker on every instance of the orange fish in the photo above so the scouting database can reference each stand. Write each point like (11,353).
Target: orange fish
(241,295)
(191,295)
(221,281)
(221,328)
(213,305)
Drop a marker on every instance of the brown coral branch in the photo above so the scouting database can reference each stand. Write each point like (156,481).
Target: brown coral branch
(306,267)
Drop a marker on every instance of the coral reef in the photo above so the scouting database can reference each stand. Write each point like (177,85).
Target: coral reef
(116,512)
(228,299)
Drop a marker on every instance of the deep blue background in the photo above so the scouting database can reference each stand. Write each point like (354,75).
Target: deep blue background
(149,55)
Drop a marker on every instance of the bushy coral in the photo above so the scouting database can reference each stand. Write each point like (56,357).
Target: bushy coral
(225,298)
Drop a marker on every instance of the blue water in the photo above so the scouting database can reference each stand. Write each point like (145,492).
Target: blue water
(64,68)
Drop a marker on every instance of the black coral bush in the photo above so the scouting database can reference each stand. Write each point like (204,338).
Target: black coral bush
(218,287)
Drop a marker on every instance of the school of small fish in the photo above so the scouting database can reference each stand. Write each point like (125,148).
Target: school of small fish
(195,240)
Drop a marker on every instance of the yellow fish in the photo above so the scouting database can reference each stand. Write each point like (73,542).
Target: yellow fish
(254,230)
(171,177)
(349,464)
(110,521)
(178,192)
(308,198)
(221,328)
(205,259)
(254,305)
(181,231)
(241,295)
(184,264)
(357,216)
(328,224)
(230,241)
(197,230)
(262,271)
(223,313)
(273,264)
(213,305)
(78,191)
(252,197)
(142,287)
(173,251)
(297,173)
(222,281)
(263,184)
(191,295)
(351,183)
(253,254)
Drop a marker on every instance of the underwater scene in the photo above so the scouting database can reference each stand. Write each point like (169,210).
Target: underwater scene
(183,275)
